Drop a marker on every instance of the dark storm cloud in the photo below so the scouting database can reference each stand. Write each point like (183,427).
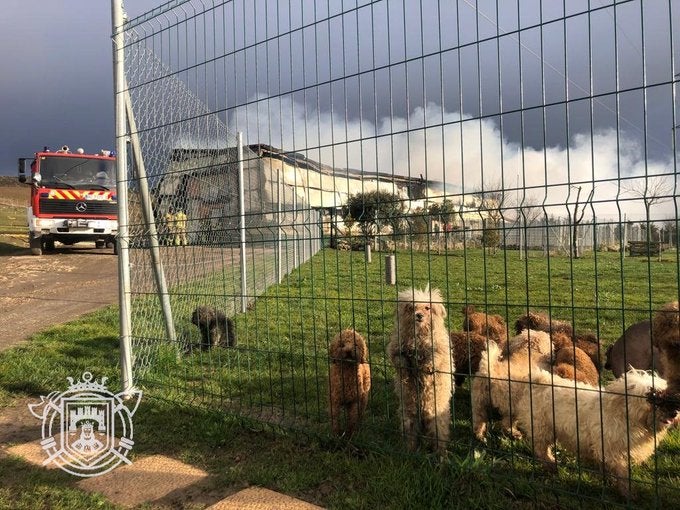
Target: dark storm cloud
(57,85)
(363,65)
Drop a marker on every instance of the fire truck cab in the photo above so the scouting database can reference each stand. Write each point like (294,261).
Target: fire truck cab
(73,198)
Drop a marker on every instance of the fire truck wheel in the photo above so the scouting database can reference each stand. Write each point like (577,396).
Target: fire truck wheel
(99,244)
(35,244)
(49,245)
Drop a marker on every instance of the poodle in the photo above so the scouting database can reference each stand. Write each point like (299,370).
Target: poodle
(216,328)
(616,426)
(563,334)
(634,349)
(468,347)
(501,381)
(666,338)
(350,381)
(421,353)
(478,329)
(491,326)
(571,362)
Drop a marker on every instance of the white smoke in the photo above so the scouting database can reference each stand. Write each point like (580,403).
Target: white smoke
(469,155)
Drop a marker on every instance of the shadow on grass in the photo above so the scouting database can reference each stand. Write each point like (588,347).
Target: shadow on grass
(43,364)
(28,486)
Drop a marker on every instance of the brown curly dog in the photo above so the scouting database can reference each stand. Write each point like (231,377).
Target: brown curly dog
(350,381)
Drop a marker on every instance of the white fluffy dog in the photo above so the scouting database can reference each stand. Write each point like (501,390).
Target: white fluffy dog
(421,354)
(502,381)
(616,426)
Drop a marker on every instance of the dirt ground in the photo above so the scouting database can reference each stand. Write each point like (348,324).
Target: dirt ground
(37,292)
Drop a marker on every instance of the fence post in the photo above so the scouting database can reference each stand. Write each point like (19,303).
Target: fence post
(390,270)
(296,251)
(117,19)
(625,236)
(279,237)
(521,236)
(242,223)
(150,224)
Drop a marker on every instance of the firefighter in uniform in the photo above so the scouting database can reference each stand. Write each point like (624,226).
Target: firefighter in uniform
(170,227)
(176,223)
(180,228)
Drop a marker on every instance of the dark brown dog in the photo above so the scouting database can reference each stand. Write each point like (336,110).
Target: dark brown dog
(350,381)
(666,338)
(216,328)
(634,349)
(540,322)
(478,329)
(467,347)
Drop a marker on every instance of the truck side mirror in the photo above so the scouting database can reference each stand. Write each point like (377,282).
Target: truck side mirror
(22,169)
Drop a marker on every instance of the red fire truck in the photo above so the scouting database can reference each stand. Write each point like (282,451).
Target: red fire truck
(73,198)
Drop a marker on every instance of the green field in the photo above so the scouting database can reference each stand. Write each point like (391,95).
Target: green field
(14,199)
(264,403)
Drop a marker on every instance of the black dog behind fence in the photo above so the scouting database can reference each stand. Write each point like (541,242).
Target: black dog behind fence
(462,185)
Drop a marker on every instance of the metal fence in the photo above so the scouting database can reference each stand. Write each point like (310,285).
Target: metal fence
(511,154)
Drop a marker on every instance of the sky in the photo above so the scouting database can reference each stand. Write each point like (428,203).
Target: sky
(56,86)
(352,90)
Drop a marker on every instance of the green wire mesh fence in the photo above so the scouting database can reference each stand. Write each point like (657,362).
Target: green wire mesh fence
(310,162)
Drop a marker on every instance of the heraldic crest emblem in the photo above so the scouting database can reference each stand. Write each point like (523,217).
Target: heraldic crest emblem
(87,430)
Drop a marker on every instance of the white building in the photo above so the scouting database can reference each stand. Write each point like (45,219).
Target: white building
(279,188)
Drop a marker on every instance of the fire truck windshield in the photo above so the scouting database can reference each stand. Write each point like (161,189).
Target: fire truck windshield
(77,173)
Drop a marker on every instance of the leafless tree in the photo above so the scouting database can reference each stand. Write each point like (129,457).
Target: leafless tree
(531,212)
(577,218)
(670,230)
(528,212)
(652,190)
(528,208)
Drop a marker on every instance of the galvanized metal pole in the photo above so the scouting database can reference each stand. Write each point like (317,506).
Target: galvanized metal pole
(625,236)
(242,224)
(279,229)
(117,20)
(150,223)
(296,237)
(390,270)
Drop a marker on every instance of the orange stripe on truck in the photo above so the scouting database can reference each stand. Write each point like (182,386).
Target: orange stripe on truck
(74,194)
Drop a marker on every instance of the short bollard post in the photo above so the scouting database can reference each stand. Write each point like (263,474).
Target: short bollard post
(390,270)
(367,250)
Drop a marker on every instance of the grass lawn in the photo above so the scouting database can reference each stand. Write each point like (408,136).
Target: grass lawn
(14,198)
(256,415)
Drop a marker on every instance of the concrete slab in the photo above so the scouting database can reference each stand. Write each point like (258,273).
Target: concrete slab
(31,452)
(257,498)
(145,480)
